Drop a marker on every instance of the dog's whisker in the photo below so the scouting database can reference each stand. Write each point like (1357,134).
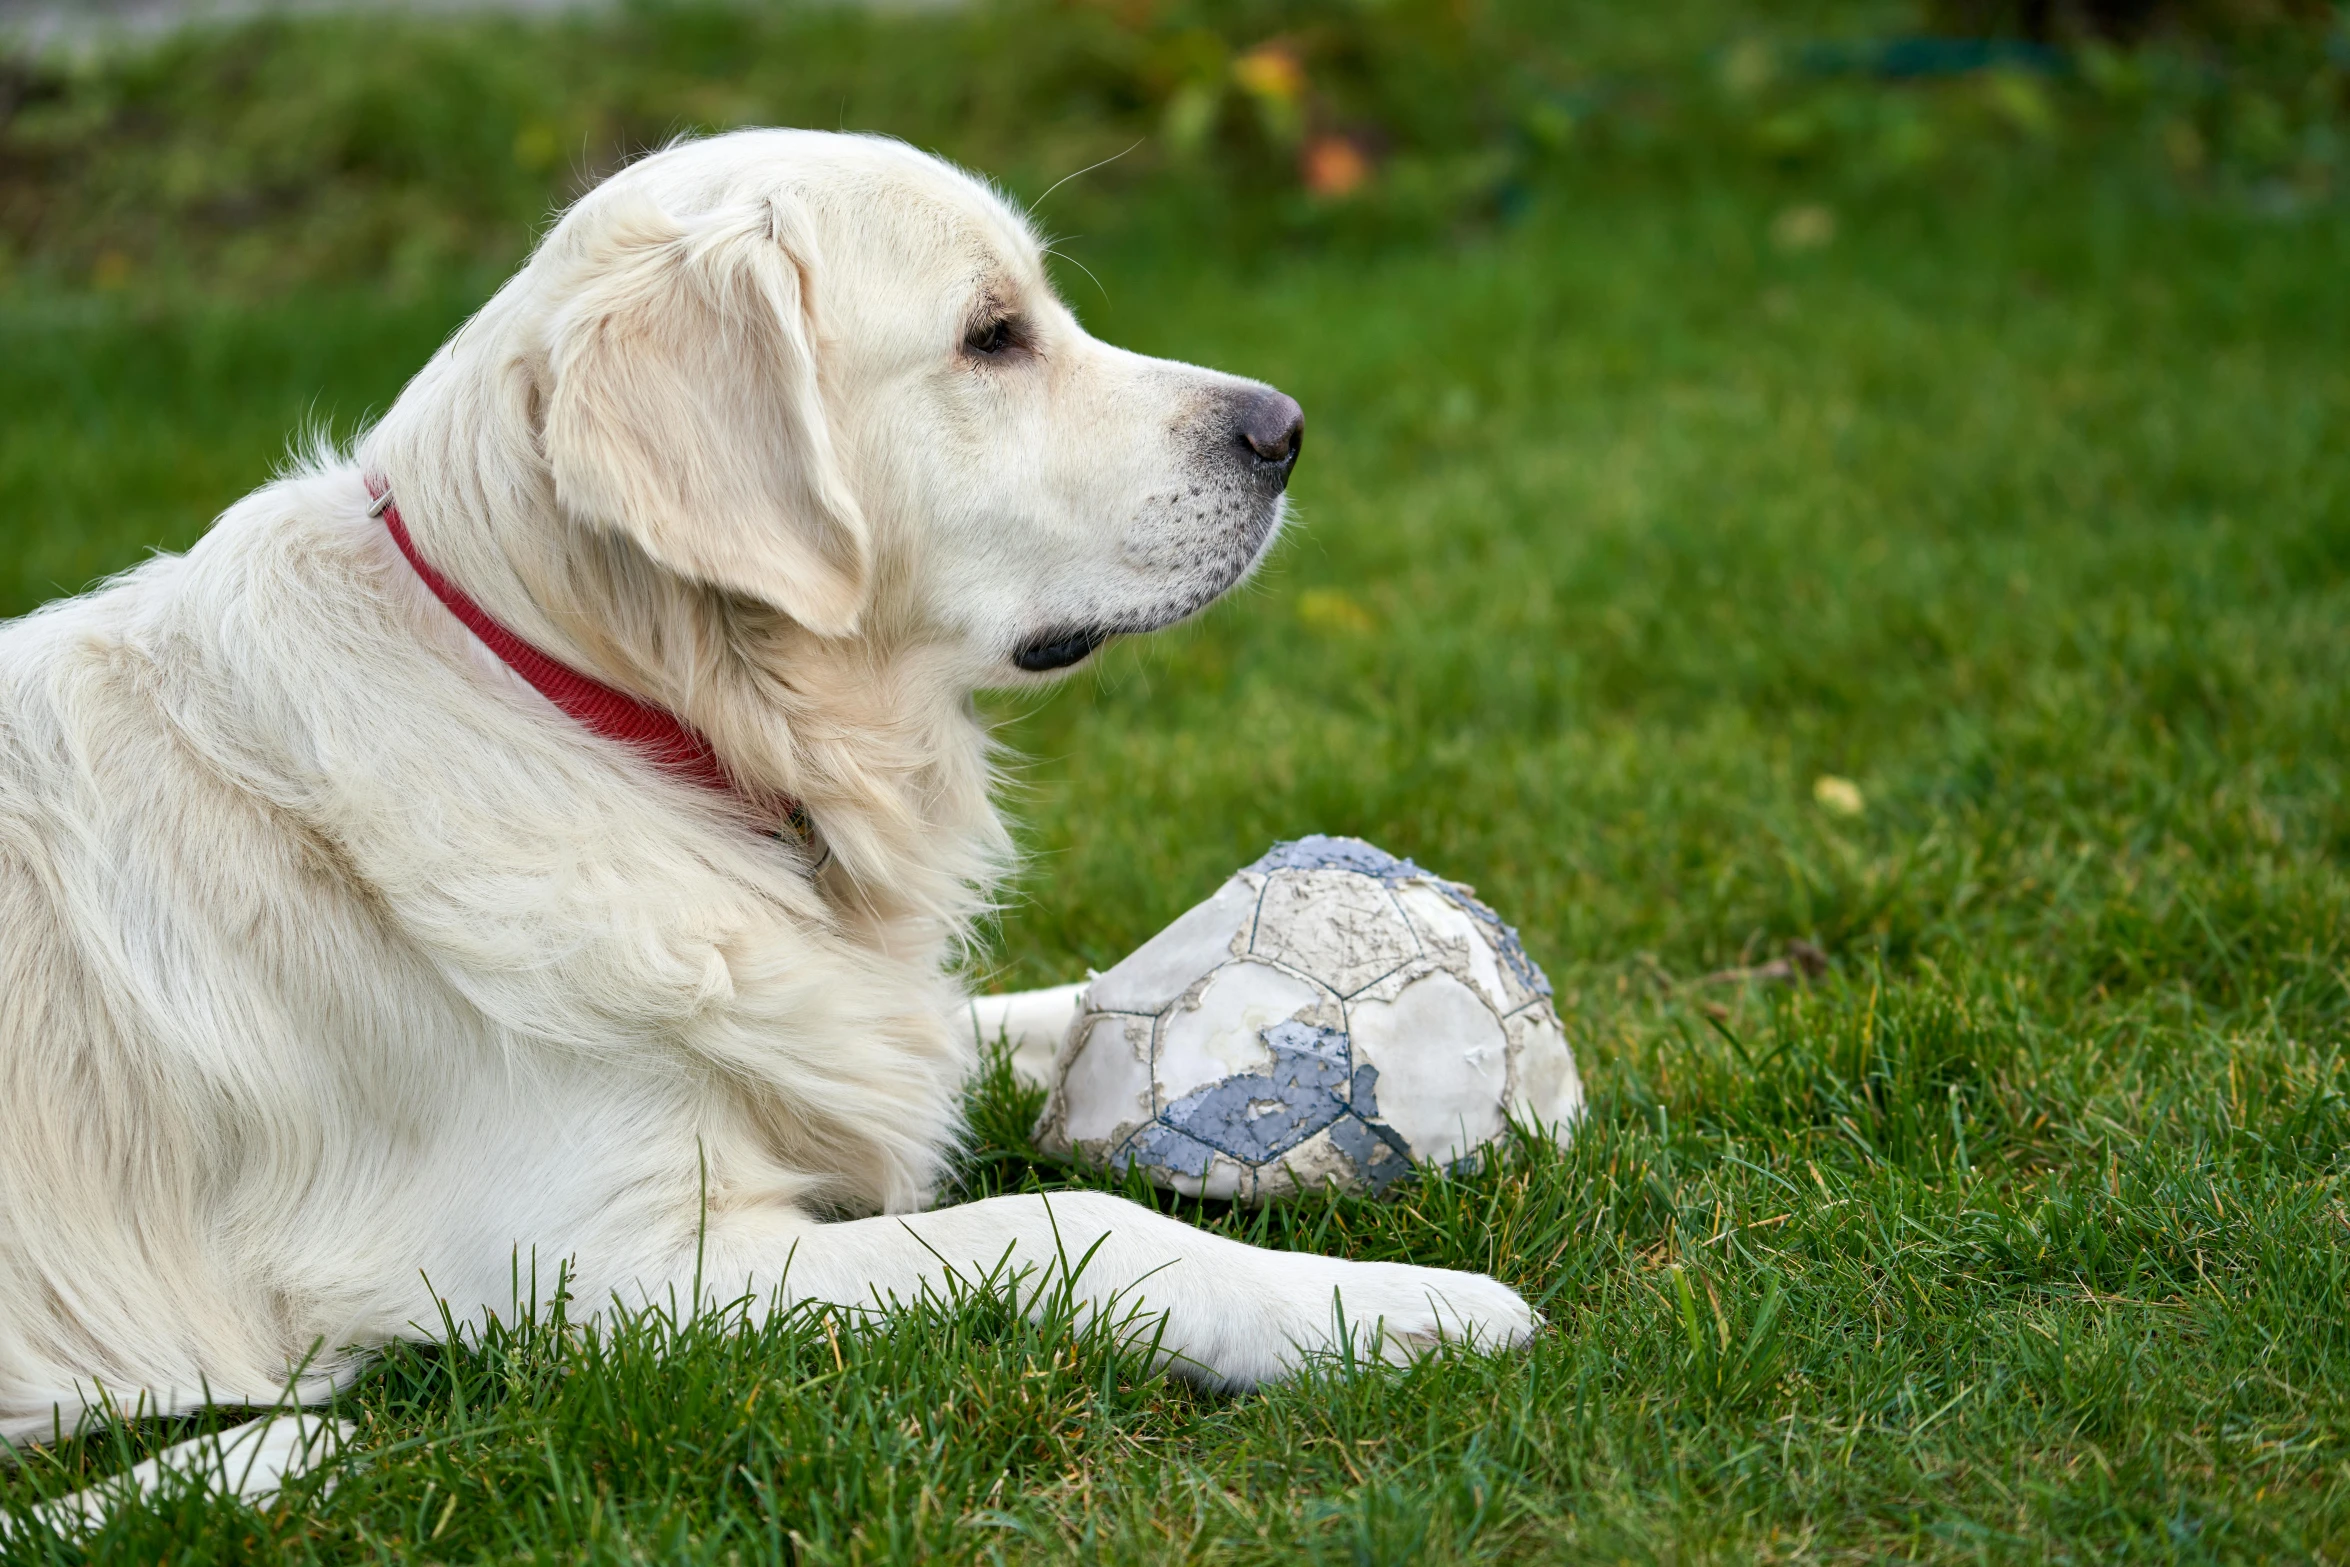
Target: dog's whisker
(1088,169)
(1082,267)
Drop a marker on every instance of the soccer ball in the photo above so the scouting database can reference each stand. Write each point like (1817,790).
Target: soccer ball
(1331,1017)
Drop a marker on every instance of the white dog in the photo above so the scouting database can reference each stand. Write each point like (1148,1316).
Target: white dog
(357,931)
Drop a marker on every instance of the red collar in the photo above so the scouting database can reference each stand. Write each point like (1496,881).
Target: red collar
(654,732)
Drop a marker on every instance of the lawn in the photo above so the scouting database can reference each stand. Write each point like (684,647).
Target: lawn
(2019,502)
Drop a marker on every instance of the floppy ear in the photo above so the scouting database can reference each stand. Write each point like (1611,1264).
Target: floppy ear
(683,409)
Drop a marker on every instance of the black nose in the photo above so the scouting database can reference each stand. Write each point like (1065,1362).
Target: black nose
(1273,427)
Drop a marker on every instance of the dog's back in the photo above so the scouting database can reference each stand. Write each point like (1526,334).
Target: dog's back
(231,1087)
(140,890)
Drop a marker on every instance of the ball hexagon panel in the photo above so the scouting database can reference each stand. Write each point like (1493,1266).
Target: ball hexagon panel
(1544,1087)
(1108,1078)
(1156,974)
(1220,1029)
(1446,1102)
(1343,928)
(1455,939)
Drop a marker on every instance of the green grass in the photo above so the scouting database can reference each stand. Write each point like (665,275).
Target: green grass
(2020,1235)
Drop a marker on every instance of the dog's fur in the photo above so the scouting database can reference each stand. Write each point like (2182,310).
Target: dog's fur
(338,968)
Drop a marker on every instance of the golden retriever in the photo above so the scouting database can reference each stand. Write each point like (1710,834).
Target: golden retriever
(338,958)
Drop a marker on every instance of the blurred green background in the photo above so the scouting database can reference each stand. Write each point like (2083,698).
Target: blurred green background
(1865,475)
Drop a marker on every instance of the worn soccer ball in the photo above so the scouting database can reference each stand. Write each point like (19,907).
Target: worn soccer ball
(1333,1016)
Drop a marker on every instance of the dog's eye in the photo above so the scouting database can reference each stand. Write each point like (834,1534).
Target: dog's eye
(990,339)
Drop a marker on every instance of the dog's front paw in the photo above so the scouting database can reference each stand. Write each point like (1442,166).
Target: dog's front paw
(1318,1307)
(1415,1310)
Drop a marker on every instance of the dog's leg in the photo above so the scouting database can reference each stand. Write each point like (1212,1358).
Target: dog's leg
(1033,1022)
(250,1463)
(1233,1315)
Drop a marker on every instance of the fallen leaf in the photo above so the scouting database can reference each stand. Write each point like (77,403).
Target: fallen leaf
(1838,796)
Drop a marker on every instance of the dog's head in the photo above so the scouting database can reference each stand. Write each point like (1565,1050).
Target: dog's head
(828,373)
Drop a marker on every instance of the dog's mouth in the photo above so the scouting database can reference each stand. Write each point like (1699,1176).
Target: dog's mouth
(1059,649)
(1210,579)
